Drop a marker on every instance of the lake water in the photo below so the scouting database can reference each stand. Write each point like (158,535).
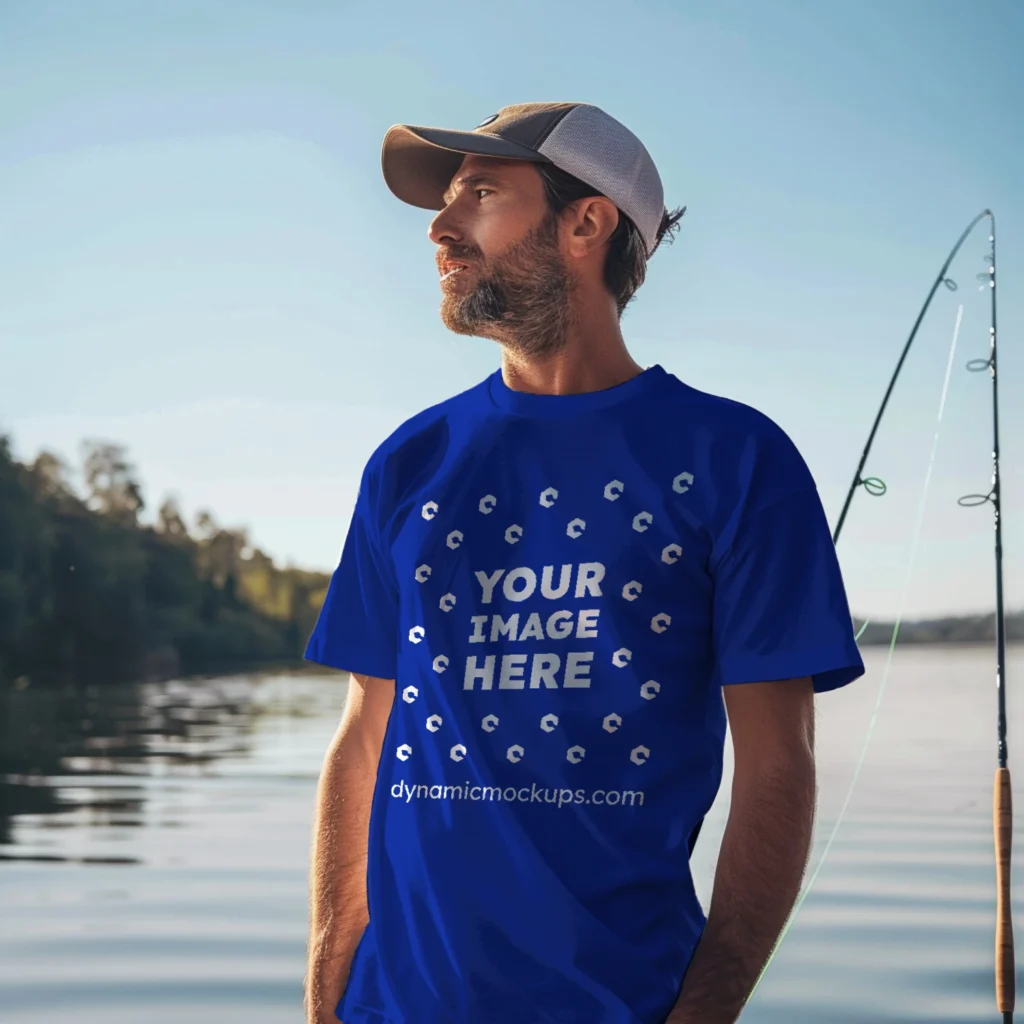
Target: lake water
(154,845)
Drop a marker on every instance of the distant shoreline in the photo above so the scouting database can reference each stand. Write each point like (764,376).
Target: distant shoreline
(962,629)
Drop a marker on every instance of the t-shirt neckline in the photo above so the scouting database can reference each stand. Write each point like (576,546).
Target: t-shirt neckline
(523,403)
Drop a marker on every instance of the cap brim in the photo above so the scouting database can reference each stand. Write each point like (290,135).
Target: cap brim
(419,163)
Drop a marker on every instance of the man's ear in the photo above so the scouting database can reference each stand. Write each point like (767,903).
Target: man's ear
(591,222)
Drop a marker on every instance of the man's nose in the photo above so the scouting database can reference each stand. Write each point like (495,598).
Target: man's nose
(444,229)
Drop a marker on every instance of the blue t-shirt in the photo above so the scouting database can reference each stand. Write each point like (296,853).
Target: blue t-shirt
(561,586)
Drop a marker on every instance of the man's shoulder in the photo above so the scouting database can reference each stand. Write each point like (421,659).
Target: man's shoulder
(720,411)
(727,417)
(429,431)
(762,457)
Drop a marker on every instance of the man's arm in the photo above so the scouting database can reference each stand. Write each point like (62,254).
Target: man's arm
(764,850)
(338,911)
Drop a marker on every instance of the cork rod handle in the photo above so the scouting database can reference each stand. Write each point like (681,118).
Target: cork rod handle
(1003,821)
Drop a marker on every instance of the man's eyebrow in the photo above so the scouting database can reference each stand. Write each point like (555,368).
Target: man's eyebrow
(469,181)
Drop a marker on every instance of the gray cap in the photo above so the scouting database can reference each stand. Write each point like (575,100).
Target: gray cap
(419,163)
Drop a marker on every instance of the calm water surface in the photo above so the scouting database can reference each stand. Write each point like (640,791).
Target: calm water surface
(154,845)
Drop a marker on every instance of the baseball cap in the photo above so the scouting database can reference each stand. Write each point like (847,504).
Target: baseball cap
(580,139)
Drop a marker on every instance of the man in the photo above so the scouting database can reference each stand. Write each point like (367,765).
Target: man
(555,587)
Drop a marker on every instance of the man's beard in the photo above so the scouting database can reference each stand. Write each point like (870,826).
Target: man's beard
(521,298)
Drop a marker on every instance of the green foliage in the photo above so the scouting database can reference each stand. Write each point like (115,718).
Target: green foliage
(89,595)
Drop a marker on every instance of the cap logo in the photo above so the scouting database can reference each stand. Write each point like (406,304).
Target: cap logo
(486,121)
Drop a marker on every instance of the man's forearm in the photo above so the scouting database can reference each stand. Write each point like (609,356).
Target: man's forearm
(338,910)
(760,866)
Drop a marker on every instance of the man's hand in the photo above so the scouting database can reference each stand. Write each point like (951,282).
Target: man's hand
(764,850)
(338,904)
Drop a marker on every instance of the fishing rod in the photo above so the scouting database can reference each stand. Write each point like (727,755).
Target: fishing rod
(1002,807)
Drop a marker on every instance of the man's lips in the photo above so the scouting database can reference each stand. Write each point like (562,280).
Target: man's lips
(449,267)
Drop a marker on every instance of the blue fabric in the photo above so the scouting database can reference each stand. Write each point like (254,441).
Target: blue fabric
(561,586)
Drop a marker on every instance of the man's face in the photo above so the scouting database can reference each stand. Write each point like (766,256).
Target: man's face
(503,275)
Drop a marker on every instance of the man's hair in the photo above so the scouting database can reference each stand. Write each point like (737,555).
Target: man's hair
(626,263)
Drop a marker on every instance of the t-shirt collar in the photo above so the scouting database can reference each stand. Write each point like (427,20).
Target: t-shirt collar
(522,403)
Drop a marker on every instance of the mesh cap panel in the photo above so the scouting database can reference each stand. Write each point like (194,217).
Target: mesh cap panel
(600,151)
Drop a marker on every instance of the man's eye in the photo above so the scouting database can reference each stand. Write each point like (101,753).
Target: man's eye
(480,191)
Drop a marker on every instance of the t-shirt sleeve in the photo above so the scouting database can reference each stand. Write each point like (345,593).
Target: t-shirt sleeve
(780,606)
(357,628)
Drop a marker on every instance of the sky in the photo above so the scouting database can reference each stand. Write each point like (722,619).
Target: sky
(199,258)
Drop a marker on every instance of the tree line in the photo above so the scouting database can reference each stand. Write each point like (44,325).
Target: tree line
(953,629)
(90,594)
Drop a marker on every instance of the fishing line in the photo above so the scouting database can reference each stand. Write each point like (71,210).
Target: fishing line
(915,538)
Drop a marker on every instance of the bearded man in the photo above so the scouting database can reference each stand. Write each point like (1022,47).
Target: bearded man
(556,591)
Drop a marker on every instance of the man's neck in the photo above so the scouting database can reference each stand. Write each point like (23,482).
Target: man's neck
(593,358)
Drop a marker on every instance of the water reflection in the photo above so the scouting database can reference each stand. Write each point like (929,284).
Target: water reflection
(87,759)
(191,804)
